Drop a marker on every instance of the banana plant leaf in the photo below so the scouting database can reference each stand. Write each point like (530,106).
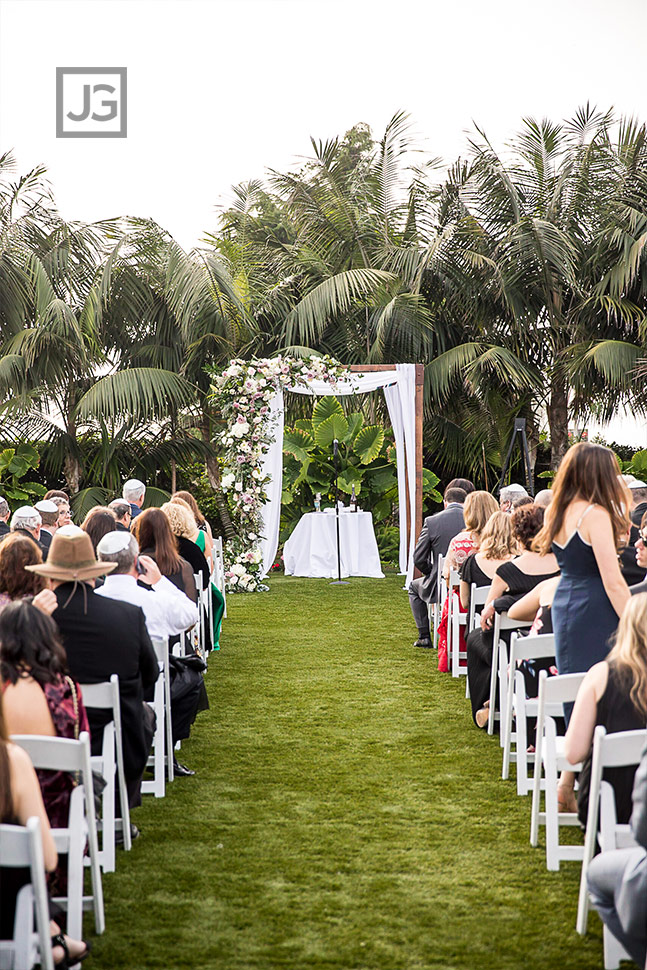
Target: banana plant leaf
(334,426)
(368,443)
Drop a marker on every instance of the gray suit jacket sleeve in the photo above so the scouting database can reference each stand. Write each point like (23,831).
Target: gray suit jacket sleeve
(422,558)
(639,814)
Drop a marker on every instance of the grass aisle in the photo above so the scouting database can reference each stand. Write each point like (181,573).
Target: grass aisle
(345,813)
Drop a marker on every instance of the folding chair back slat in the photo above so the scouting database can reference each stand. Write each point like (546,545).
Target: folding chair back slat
(22,847)
(521,648)
(105,696)
(501,623)
(64,754)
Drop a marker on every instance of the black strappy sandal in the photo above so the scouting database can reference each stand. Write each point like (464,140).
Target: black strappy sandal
(68,960)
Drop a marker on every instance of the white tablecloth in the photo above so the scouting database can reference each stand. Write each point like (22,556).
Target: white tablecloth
(311,550)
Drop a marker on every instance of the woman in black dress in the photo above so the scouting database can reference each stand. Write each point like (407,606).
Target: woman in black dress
(498,545)
(512,581)
(614,694)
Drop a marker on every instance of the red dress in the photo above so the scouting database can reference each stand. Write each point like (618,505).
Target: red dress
(462,546)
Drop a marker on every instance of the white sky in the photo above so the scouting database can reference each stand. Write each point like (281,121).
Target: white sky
(221,90)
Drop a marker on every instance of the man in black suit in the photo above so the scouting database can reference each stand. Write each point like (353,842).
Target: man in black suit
(123,514)
(103,637)
(48,512)
(437,532)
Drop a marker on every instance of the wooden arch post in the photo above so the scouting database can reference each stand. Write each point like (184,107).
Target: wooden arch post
(416,500)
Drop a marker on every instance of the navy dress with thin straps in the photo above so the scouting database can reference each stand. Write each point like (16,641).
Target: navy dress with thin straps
(583,617)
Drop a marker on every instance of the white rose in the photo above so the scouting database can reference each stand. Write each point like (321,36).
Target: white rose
(238,570)
(240,429)
(227,481)
(239,486)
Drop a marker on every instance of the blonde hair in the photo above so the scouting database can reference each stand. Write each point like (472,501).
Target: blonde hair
(629,652)
(498,541)
(180,518)
(478,508)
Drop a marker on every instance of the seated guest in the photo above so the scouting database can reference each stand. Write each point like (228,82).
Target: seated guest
(437,532)
(512,581)
(20,800)
(507,495)
(27,521)
(544,497)
(614,694)
(62,503)
(187,497)
(155,539)
(17,552)
(102,637)
(123,515)
(134,493)
(618,879)
(536,606)
(498,545)
(632,570)
(200,536)
(48,512)
(641,555)
(478,508)
(167,609)
(40,697)
(4,517)
(98,523)
(520,500)
(183,526)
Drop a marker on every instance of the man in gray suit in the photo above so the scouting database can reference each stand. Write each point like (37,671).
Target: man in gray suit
(437,532)
(617,880)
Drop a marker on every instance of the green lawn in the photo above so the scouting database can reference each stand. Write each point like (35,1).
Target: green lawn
(345,814)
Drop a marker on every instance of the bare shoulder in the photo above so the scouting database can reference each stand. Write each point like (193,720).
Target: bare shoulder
(18,757)
(597,678)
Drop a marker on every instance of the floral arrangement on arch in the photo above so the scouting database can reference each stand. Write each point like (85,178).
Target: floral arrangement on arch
(242,394)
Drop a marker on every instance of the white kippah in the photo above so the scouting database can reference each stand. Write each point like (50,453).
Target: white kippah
(25,512)
(46,506)
(113,542)
(69,530)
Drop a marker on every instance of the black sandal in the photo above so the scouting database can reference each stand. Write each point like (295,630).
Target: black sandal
(59,940)
(68,960)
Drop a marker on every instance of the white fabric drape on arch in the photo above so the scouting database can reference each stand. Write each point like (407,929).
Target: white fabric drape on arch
(400,394)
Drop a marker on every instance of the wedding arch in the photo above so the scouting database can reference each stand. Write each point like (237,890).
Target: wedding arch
(250,397)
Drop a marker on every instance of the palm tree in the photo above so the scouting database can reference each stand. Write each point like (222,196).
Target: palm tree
(535,229)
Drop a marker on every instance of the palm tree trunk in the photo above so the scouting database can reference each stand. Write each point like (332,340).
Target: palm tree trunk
(558,420)
(72,472)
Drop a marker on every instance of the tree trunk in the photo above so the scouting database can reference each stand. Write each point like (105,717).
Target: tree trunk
(173,476)
(213,474)
(558,421)
(72,472)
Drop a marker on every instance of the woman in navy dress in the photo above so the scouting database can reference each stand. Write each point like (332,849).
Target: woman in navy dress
(587,523)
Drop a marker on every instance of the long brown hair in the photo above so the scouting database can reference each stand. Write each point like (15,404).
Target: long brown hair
(98,523)
(6,801)
(16,552)
(630,650)
(589,472)
(193,505)
(152,530)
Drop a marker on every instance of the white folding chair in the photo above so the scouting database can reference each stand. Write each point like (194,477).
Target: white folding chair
(110,764)
(478,598)
(621,749)
(521,707)
(441,593)
(219,569)
(550,758)
(65,754)
(22,846)
(455,619)
(161,759)
(501,623)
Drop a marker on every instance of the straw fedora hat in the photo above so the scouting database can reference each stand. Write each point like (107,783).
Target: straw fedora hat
(71,557)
